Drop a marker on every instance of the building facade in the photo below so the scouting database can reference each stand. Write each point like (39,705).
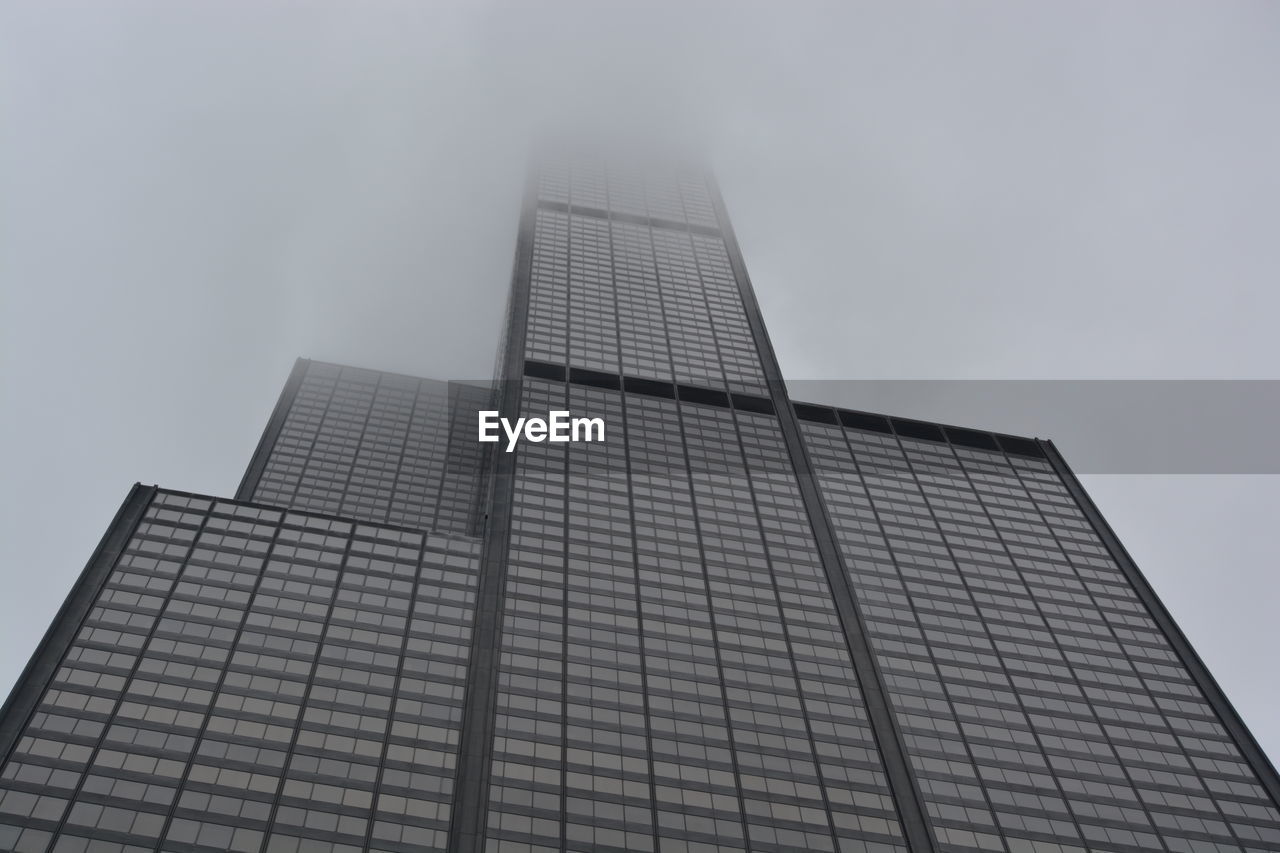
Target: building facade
(739,622)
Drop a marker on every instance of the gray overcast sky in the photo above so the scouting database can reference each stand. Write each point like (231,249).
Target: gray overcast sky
(193,195)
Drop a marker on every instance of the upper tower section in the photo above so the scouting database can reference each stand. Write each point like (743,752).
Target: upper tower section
(630,274)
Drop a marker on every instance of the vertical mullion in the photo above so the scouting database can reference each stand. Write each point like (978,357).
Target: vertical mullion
(222,676)
(786,631)
(715,633)
(644,660)
(475,741)
(902,781)
(291,749)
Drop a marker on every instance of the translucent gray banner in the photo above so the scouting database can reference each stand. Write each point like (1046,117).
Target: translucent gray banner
(1208,426)
(1100,426)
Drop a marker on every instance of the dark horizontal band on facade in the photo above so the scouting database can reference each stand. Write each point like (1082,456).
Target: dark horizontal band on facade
(866,421)
(633,218)
(650,387)
(284,510)
(923,430)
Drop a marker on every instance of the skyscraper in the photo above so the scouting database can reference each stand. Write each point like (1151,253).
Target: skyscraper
(739,622)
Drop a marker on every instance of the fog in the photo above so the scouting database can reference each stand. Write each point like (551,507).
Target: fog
(193,195)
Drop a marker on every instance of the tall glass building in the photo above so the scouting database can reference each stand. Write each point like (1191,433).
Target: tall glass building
(739,622)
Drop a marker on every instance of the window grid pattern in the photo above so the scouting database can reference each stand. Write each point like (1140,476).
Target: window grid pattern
(698,206)
(251,679)
(525,793)
(588,185)
(547,323)
(739,355)
(646,300)
(593,333)
(1099,584)
(553,182)
(697,791)
(1036,697)
(642,326)
(459,510)
(653,303)
(378,447)
(676,199)
(673,675)
(627,192)
(853,778)
(695,358)
(790,684)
